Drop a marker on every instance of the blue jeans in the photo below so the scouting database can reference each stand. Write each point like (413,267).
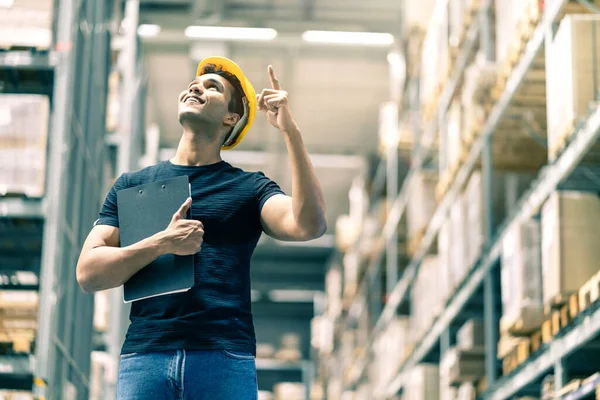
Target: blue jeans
(188,375)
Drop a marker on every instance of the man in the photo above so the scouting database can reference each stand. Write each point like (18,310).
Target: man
(201,344)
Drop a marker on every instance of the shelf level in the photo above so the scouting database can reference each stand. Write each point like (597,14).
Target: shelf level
(559,348)
(14,207)
(15,372)
(269,364)
(28,60)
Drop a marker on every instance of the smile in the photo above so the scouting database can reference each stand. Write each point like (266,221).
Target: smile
(194,100)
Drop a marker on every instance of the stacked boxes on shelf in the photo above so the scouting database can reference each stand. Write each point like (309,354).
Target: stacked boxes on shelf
(101,310)
(389,351)
(420,207)
(422,383)
(463,364)
(435,64)
(479,78)
(26,23)
(428,296)
(570,251)
(18,319)
(572,66)
(24,120)
(289,391)
(522,303)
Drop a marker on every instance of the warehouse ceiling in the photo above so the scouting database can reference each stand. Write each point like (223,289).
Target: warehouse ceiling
(335,90)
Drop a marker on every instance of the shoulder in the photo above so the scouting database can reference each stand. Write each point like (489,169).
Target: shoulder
(144,175)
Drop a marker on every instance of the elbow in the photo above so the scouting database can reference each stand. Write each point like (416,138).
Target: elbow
(84,280)
(316,230)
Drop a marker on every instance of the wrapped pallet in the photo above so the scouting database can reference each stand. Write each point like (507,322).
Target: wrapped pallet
(479,78)
(27,23)
(421,204)
(24,120)
(506,189)
(458,366)
(458,229)
(571,68)
(452,145)
(289,391)
(445,256)
(428,296)
(466,391)
(423,383)
(389,351)
(435,64)
(456,22)
(522,302)
(570,251)
(471,335)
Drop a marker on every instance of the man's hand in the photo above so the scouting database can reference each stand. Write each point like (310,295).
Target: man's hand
(183,236)
(274,103)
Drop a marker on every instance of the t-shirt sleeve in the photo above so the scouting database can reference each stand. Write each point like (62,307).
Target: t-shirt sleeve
(109,214)
(264,188)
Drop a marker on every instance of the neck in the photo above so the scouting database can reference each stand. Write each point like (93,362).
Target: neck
(196,148)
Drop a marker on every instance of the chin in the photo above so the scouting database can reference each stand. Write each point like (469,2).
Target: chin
(188,114)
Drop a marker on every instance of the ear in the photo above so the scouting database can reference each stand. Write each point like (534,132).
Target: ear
(231,119)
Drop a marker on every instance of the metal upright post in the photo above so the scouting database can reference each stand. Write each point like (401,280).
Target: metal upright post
(128,157)
(392,193)
(490,295)
(52,254)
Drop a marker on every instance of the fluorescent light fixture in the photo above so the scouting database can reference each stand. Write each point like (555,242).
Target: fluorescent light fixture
(6,3)
(338,37)
(293,295)
(148,30)
(230,33)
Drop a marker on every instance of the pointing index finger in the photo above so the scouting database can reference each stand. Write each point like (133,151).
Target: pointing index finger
(274,81)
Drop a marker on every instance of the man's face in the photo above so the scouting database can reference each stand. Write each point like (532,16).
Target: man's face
(206,99)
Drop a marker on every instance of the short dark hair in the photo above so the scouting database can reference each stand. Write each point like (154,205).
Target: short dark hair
(236,105)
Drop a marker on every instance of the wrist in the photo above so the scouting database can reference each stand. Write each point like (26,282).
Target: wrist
(293,130)
(161,243)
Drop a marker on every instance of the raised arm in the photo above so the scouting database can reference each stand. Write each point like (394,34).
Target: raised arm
(301,216)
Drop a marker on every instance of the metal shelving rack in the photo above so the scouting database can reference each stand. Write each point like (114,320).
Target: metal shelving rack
(78,62)
(583,330)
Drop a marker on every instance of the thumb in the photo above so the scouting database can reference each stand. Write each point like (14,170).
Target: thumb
(180,214)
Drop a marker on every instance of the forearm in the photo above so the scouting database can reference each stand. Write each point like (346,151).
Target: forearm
(308,203)
(107,267)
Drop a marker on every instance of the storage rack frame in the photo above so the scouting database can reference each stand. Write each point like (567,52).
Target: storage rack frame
(552,357)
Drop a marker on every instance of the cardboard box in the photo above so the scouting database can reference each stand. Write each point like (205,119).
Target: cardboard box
(570,71)
(27,23)
(421,202)
(289,391)
(471,335)
(458,247)
(24,122)
(521,259)
(570,251)
(423,383)
(458,366)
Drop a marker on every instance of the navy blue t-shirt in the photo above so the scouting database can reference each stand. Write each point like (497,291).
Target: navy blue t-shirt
(216,312)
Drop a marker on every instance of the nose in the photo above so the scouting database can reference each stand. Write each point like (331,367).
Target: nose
(196,89)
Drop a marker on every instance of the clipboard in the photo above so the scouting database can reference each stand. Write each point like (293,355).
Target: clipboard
(144,211)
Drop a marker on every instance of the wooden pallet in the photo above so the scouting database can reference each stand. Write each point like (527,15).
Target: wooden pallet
(18,342)
(415,241)
(517,356)
(589,292)
(568,388)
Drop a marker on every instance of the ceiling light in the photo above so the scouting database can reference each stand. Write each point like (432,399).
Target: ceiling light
(361,38)
(6,3)
(148,30)
(230,33)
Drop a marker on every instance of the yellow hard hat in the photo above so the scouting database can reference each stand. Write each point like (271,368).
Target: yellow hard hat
(248,98)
